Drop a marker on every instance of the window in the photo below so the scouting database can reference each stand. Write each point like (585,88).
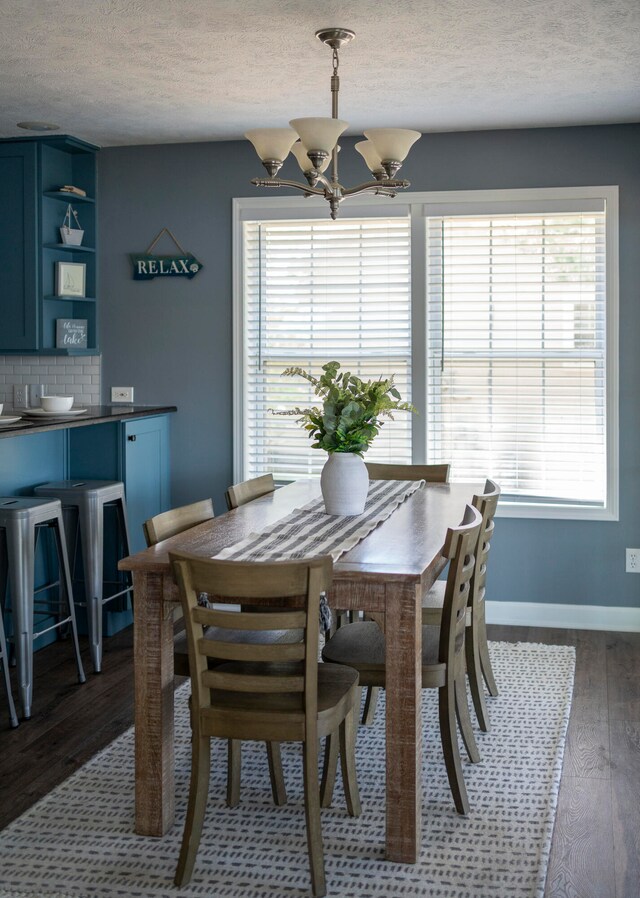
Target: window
(496,310)
(316,291)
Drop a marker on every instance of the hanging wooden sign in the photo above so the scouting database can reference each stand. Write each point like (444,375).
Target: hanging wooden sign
(147,266)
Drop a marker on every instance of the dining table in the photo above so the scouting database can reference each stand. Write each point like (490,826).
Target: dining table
(386,574)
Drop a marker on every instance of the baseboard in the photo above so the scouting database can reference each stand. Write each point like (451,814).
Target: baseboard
(575,617)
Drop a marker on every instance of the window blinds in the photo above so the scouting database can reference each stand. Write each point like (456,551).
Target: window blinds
(516,352)
(316,291)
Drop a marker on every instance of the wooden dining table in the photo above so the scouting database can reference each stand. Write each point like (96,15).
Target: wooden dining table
(387,574)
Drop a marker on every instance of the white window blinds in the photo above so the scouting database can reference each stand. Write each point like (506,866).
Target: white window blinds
(516,352)
(316,291)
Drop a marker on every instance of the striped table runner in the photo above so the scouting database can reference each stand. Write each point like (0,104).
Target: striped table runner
(310,531)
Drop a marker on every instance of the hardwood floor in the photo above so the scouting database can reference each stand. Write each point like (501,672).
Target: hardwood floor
(595,851)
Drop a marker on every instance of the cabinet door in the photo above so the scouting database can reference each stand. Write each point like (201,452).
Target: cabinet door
(146,473)
(19,268)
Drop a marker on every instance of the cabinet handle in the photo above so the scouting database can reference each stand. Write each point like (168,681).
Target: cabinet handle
(132,438)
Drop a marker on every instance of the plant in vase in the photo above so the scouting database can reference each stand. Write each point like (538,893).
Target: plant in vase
(345,426)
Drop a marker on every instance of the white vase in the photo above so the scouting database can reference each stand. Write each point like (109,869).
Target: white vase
(345,483)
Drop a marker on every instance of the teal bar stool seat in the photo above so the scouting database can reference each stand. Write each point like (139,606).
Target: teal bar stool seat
(21,520)
(90,498)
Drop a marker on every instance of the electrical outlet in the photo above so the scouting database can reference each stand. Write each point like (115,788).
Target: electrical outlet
(21,395)
(633,561)
(36,392)
(122,394)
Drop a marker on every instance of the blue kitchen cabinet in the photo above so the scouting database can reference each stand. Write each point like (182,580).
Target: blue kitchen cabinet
(145,472)
(31,172)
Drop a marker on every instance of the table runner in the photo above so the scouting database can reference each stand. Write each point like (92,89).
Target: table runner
(310,531)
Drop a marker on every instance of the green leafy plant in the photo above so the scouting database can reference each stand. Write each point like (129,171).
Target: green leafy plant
(349,419)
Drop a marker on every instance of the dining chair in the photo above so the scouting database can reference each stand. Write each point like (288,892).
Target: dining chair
(429,473)
(264,692)
(476,646)
(248,490)
(170,523)
(362,646)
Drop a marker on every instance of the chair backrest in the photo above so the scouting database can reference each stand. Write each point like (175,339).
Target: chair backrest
(300,582)
(241,493)
(430,473)
(459,548)
(486,503)
(167,524)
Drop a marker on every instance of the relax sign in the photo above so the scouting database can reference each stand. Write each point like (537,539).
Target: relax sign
(146,267)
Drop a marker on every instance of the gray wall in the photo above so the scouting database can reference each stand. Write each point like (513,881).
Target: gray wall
(171,339)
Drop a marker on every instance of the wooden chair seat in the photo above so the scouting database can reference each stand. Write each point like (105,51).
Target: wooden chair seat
(281,715)
(363,644)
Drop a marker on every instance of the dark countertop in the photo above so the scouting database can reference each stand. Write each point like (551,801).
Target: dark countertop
(96,414)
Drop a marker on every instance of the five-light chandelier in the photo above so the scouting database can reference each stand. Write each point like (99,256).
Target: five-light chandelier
(314,143)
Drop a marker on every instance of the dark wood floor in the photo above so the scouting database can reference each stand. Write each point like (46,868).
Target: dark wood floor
(596,843)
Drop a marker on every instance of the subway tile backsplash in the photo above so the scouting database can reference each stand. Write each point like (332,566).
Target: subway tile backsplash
(77,376)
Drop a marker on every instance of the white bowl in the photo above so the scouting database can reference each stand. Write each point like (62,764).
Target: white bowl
(56,403)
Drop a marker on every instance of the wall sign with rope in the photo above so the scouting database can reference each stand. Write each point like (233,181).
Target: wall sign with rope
(147,266)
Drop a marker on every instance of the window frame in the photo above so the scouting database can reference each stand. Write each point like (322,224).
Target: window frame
(419,206)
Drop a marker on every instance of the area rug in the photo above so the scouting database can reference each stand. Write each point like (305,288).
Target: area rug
(78,840)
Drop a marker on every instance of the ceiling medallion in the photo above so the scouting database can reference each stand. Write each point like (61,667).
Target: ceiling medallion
(314,143)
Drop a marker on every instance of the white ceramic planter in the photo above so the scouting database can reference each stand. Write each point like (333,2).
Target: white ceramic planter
(345,484)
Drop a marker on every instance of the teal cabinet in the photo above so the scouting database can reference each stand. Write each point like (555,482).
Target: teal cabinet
(145,473)
(31,172)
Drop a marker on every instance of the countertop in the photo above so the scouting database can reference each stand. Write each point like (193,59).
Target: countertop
(95,414)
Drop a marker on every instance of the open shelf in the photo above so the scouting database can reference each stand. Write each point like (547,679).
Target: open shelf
(69,248)
(67,197)
(69,298)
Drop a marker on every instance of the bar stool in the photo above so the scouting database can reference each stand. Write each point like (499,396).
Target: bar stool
(90,498)
(22,519)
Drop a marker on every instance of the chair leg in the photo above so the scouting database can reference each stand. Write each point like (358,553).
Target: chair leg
(4,660)
(312,812)
(464,718)
(348,734)
(329,769)
(278,788)
(234,763)
(370,705)
(483,650)
(450,750)
(198,794)
(65,579)
(474,673)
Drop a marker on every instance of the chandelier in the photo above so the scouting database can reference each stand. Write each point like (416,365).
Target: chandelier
(314,143)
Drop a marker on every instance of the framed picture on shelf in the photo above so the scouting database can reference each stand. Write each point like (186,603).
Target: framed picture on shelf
(70,278)
(71,333)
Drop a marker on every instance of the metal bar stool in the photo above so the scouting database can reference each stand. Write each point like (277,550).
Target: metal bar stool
(21,519)
(90,498)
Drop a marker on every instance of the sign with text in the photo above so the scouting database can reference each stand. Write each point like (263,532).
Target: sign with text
(71,333)
(146,266)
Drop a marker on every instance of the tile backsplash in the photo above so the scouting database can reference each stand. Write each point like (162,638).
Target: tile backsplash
(77,376)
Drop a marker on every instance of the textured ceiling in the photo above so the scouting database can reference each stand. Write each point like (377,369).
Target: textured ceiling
(156,71)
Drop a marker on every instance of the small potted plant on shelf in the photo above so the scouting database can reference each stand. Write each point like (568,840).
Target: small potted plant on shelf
(345,426)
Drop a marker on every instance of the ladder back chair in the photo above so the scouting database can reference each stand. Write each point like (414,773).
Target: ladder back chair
(170,523)
(248,490)
(476,645)
(361,645)
(263,692)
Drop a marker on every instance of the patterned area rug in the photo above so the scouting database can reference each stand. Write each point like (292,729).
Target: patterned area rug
(78,840)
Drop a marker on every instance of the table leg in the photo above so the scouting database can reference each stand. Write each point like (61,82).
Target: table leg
(153,675)
(403,635)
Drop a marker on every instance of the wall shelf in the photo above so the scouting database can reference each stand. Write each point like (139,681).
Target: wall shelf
(67,197)
(69,248)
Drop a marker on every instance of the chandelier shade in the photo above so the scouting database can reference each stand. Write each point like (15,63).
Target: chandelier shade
(384,151)
(392,144)
(272,143)
(319,134)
